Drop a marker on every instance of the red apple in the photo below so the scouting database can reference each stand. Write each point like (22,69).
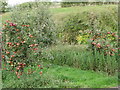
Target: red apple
(40,72)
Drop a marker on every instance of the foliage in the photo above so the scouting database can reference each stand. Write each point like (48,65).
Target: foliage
(32,29)
(79,57)
(3,6)
(39,19)
(72,25)
(80,22)
(71,3)
(32,5)
(106,42)
(25,35)
(20,46)
(83,37)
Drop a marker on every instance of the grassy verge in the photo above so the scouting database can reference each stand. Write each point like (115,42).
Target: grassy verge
(0,79)
(59,77)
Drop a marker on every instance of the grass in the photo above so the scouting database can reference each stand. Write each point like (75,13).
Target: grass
(0,78)
(81,9)
(82,79)
(6,16)
(59,77)
(79,56)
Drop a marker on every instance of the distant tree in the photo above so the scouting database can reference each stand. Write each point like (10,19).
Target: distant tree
(3,6)
(69,3)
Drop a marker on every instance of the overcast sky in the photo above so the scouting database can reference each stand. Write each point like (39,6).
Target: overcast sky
(14,2)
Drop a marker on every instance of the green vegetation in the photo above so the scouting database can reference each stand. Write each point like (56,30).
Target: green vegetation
(0,78)
(75,56)
(31,5)
(59,77)
(39,19)
(77,9)
(68,3)
(3,6)
(75,23)
(71,21)
(81,61)
(5,17)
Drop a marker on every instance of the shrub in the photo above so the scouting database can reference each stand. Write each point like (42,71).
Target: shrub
(39,19)
(86,21)
(25,35)
(83,37)
(31,5)
(72,25)
(20,46)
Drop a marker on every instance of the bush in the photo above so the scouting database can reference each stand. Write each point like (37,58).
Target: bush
(25,35)
(39,19)
(87,21)
(31,5)
(20,46)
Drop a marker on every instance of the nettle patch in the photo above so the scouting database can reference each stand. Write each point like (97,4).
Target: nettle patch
(20,48)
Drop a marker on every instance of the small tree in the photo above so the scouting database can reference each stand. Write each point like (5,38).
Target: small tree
(26,34)
(39,19)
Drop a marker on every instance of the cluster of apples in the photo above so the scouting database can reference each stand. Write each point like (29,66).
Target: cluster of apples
(102,46)
(19,38)
(19,69)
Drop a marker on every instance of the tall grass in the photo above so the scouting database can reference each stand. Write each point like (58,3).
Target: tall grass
(78,56)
